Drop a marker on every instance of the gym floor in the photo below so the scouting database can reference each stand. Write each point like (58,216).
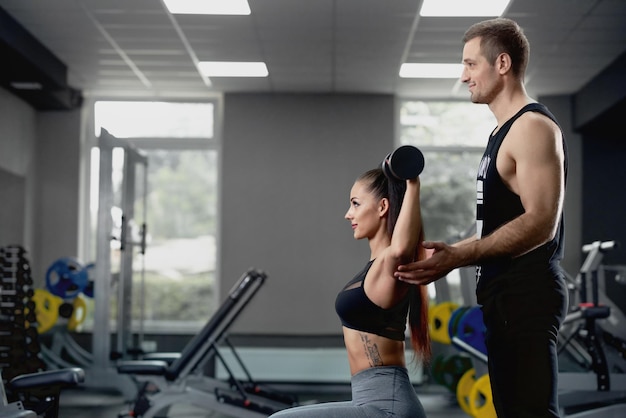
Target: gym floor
(438,402)
(82,403)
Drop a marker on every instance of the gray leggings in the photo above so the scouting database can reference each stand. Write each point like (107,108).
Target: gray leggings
(376,393)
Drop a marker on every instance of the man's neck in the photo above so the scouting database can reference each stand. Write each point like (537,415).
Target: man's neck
(508,103)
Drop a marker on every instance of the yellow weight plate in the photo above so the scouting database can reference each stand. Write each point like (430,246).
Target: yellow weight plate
(438,318)
(480,399)
(79,313)
(46,309)
(463,389)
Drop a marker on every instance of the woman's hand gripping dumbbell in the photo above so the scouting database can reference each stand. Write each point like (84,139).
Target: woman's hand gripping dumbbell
(406,162)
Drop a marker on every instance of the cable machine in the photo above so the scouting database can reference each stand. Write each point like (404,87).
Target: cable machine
(130,234)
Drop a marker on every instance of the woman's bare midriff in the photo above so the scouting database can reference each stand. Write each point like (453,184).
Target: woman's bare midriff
(367,350)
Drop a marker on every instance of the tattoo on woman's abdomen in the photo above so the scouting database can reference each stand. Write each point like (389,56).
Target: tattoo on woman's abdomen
(371,351)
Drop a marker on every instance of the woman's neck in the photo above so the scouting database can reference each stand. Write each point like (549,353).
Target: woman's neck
(378,244)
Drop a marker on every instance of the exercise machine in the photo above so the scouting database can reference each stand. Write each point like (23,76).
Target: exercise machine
(26,384)
(102,373)
(168,379)
(41,391)
(598,378)
(12,409)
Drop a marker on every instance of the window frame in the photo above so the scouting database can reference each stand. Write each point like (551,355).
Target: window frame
(89,140)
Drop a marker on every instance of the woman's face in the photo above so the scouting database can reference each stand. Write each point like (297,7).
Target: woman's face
(365,212)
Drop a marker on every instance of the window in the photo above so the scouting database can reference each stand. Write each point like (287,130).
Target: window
(452,136)
(174,282)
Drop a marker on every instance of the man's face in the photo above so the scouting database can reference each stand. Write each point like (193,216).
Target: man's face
(481,76)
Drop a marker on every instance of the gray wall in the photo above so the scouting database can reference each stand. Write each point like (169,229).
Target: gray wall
(18,122)
(561,107)
(40,151)
(288,163)
(599,110)
(57,187)
(12,219)
(604,206)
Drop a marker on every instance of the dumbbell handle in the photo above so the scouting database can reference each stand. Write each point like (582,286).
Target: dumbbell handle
(406,162)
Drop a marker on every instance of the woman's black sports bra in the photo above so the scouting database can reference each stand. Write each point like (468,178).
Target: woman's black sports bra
(357,311)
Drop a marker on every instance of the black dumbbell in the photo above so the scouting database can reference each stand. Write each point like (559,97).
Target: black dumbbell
(406,162)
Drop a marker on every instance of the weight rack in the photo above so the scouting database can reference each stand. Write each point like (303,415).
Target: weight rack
(19,339)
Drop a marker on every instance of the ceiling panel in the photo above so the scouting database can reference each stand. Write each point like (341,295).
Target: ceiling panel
(136,49)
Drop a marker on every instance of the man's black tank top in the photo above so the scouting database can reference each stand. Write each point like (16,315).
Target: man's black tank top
(497,205)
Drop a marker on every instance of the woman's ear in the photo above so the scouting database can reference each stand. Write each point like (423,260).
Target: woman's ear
(383,207)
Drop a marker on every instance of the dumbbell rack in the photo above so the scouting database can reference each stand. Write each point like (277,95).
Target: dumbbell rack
(20,351)
(19,339)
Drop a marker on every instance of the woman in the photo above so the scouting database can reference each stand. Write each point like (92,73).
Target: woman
(374,306)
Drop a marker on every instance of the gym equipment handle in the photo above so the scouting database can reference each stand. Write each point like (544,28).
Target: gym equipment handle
(602,246)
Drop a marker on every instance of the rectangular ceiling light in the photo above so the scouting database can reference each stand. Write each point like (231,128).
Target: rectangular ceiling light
(233,69)
(208,7)
(420,70)
(460,8)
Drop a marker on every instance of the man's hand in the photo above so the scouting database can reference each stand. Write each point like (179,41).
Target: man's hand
(442,260)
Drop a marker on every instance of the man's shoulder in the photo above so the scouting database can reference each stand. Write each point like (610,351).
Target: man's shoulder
(534,120)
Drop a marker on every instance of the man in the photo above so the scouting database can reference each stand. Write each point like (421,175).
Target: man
(519,241)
